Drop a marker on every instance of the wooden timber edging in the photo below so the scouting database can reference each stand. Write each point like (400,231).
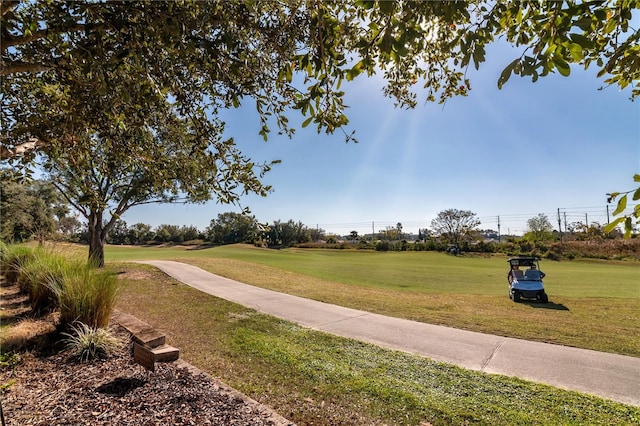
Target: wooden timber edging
(143,334)
(149,345)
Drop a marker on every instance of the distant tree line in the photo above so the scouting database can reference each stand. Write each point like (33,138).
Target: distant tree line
(34,210)
(227,228)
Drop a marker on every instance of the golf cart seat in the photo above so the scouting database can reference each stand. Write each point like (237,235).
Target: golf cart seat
(532,275)
(517,274)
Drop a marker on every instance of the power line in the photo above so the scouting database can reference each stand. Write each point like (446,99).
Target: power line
(514,222)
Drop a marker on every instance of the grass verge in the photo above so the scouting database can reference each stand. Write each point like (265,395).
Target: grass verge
(315,378)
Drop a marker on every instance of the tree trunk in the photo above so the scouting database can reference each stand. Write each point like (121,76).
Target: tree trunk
(96,239)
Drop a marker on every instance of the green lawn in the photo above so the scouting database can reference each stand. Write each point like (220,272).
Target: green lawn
(316,378)
(429,272)
(594,305)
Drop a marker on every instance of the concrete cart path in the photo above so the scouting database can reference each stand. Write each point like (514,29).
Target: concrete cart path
(606,375)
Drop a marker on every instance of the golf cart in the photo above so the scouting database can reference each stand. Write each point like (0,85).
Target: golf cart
(525,279)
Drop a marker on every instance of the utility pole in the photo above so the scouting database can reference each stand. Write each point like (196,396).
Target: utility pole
(608,214)
(559,224)
(586,220)
(498,229)
(565,221)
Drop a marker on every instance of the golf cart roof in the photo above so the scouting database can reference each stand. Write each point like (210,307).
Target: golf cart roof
(523,260)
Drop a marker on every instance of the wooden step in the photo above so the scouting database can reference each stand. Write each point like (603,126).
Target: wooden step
(150,337)
(131,323)
(149,345)
(142,332)
(143,356)
(166,353)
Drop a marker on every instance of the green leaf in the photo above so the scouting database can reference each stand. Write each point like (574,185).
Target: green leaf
(610,26)
(288,73)
(584,24)
(387,7)
(602,72)
(636,178)
(636,195)
(576,51)
(307,122)
(263,132)
(506,73)
(366,4)
(385,43)
(478,56)
(622,205)
(611,226)
(561,65)
(581,40)
(355,71)
(401,48)
(628,227)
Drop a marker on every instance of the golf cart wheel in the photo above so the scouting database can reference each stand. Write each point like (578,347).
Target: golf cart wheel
(516,296)
(543,298)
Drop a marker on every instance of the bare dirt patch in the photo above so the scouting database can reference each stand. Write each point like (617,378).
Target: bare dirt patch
(136,275)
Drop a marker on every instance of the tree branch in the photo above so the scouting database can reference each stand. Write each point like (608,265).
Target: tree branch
(64,190)
(18,67)
(44,33)
(7,6)
(7,153)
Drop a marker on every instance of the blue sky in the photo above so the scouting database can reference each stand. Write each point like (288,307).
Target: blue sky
(530,148)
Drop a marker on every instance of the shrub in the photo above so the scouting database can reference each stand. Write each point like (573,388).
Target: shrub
(363,244)
(87,343)
(383,246)
(551,255)
(87,296)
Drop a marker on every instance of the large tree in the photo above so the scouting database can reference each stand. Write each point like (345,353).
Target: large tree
(140,233)
(455,226)
(539,228)
(89,85)
(169,162)
(231,227)
(286,234)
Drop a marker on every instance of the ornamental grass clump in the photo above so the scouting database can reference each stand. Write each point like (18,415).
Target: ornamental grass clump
(12,258)
(41,277)
(3,249)
(85,342)
(87,295)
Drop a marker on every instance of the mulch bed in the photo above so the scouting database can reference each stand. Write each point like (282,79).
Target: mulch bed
(54,389)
